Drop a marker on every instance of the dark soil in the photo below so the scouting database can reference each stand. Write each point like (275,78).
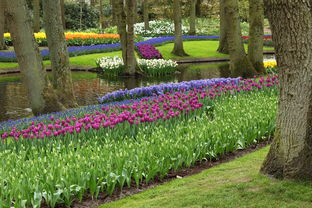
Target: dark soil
(198,167)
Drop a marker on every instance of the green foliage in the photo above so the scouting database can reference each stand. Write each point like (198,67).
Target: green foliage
(90,16)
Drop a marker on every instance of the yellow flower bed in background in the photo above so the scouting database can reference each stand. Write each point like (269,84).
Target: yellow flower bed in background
(270,64)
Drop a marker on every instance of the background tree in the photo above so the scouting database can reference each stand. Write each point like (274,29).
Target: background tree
(290,155)
(255,42)
(125,26)
(223,42)
(41,94)
(145,14)
(239,63)
(63,14)
(198,8)
(61,79)
(178,49)
(2,22)
(36,15)
(102,26)
(192,17)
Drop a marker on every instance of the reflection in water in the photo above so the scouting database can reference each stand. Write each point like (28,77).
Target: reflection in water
(88,87)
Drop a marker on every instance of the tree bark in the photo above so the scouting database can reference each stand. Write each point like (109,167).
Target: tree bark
(102,26)
(63,14)
(290,156)
(198,8)
(223,43)
(62,80)
(178,49)
(239,63)
(2,23)
(145,15)
(125,25)
(36,12)
(255,41)
(193,17)
(41,94)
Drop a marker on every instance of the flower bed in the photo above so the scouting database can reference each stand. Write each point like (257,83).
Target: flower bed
(147,51)
(129,144)
(270,66)
(154,67)
(82,50)
(73,39)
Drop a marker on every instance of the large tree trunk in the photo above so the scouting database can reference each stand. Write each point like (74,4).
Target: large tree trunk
(63,14)
(62,80)
(145,15)
(41,94)
(193,17)
(36,12)
(178,49)
(255,42)
(223,43)
(125,25)
(239,63)
(290,155)
(2,22)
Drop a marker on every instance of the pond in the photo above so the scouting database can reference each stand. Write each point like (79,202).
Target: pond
(89,86)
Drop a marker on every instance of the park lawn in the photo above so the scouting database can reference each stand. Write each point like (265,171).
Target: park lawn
(195,49)
(233,184)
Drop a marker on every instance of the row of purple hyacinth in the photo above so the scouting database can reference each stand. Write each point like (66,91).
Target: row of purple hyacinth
(108,47)
(162,107)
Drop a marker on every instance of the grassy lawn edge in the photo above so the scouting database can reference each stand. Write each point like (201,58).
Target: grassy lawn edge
(233,184)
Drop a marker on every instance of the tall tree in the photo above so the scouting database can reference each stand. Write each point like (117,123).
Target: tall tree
(223,42)
(36,16)
(41,94)
(101,15)
(198,8)
(125,16)
(62,80)
(239,63)
(255,42)
(290,155)
(178,49)
(2,23)
(63,14)
(145,14)
(192,17)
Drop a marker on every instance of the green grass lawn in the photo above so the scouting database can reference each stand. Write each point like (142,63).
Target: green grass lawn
(195,49)
(233,184)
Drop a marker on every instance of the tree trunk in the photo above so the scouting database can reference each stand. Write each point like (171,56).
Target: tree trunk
(2,23)
(178,49)
(193,17)
(290,155)
(63,14)
(125,25)
(93,3)
(41,94)
(102,26)
(62,80)
(239,63)
(36,12)
(223,43)
(255,42)
(131,17)
(198,8)
(145,15)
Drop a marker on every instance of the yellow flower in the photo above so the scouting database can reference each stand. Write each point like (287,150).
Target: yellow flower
(270,64)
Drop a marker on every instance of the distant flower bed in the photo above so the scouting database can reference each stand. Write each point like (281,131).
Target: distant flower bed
(8,56)
(73,39)
(154,67)
(147,51)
